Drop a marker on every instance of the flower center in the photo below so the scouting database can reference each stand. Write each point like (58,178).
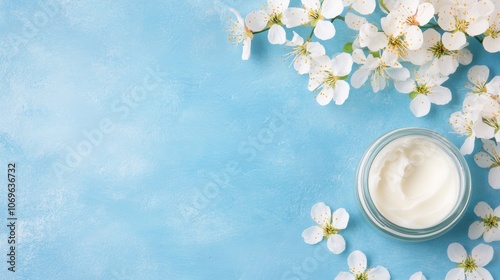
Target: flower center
(274,18)
(461,24)
(491,221)
(301,50)
(329,230)
(422,89)
(492,31)
(412,20)
(362,276)
(469,265)
(398,45)
(438,50)
(314,17)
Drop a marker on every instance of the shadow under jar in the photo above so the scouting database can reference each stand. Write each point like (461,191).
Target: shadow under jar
(413,184)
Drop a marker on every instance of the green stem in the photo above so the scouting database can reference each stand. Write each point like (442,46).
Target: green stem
(262,31)
(430,25)
(479,39)
(331,20)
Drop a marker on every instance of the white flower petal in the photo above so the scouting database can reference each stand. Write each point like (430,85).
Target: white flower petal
(418,276)
(414,37)
(424,13)
(358,56)
(379,273)
(359,77)
(313,235)
(342,64)
(468,145)
(481,273)
(446,19)
(482,209)
(321,213)
(241,21)
(478,73)
(476,229)
(316,49)
(494,177)
(278,5)
(377,82)
(490,147)
(247,47)
(405,86)
(325,96)
(398,74)
(455,274)
(483,160)
(456,252)
(477,26)
(482,254)
(464,57)
(491,44)
(296,17)
(341,92)
(340,218)
(331,8)
(302,64)
(345,276)
(336,244)
(276,35)
(483,130)
(454,41)
(324,30)
(354,21)
(440,95)
(447,65)
(311,4)
(420,105)
(357,262)
(257,20)
(364,7)
(491,235)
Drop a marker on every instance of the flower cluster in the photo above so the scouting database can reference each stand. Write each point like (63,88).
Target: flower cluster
(480,118)
(404,48)
(468,266)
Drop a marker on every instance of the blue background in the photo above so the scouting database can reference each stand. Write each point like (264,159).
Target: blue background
(146,149)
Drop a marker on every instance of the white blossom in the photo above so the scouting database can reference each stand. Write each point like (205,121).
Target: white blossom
(424,89)
(491,41)
(463,123)
(329,76)
(240,33)
(329,226)
(364,7)
(273,17)
(358,269)
(465,17)
(316,14)
(418,276)
(469,266)
(304,52)
(408,16)
(488,226)
(379,69)
(489,157)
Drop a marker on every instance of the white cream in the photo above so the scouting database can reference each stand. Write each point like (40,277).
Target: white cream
(413,182)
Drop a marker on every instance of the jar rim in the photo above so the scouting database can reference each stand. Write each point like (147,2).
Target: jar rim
(375,216)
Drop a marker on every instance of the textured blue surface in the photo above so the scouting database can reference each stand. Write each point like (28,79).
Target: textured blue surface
(146,149)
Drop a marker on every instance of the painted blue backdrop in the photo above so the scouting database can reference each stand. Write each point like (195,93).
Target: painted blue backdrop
(146,149)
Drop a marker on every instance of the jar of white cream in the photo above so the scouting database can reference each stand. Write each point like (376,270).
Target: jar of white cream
(413,184)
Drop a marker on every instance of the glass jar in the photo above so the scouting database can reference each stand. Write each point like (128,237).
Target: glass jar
(381,222)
